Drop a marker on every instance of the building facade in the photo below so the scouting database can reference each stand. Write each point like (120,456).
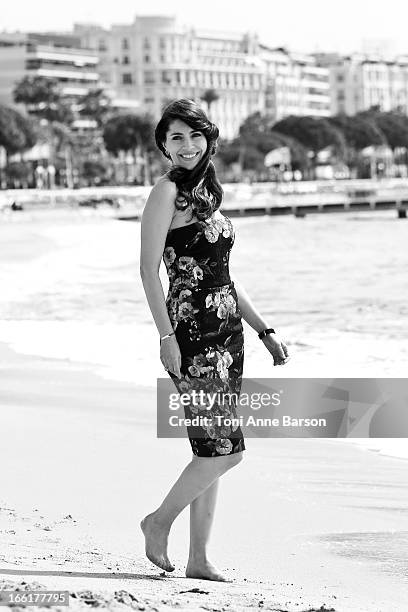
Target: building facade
(294,84)
(154,60)
(146,64)
(47,55)
(360,81)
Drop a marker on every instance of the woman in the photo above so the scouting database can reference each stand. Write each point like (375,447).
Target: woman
(199,323)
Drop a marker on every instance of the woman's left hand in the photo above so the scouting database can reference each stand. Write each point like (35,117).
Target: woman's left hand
(277,349)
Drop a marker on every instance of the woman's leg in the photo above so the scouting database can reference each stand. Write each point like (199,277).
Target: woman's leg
(197,476)
(201,520)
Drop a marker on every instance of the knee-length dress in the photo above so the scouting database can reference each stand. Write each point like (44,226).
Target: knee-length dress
(203,308)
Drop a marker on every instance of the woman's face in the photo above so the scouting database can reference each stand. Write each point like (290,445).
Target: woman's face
(185,145)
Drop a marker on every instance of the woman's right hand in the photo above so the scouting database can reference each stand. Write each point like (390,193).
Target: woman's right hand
(170,355)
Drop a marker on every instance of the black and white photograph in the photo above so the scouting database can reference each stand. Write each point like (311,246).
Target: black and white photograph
(204,306)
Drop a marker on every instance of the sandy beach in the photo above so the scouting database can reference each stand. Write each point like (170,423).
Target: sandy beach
(302,524)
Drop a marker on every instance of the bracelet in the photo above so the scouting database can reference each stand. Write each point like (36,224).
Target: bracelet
(167,336)
(265,332)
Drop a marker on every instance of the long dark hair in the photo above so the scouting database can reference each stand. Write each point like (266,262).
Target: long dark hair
(199,187)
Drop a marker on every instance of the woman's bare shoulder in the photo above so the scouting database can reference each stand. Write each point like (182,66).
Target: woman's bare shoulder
(160,204)
(163,188)
(166,183)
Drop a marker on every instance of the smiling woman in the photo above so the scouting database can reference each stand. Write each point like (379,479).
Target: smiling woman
(200,323)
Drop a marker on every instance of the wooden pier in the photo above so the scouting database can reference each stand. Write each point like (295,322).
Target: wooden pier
(240,199)
(301,210)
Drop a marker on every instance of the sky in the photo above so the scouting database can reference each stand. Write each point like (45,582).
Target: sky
(300,25)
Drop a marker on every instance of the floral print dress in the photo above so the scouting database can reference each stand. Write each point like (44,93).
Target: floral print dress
(203,308)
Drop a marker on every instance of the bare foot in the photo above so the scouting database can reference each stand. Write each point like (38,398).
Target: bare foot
(156,543)
(205,571)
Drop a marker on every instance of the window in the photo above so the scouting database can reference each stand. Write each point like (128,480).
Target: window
(314,91)
(146,43)
(125,44)
(149,77)
(127,78)
(166,76)
(146,59)
(102,45)
(33,64)
(125,59)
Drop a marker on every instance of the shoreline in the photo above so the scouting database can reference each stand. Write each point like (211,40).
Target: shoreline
(387,447)
(94,441)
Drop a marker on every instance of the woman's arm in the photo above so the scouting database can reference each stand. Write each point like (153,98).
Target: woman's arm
(156,220)
(250,314)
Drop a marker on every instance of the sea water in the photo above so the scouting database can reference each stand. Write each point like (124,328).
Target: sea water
(333,286)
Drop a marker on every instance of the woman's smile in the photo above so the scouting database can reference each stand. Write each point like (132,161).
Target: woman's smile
(189,156)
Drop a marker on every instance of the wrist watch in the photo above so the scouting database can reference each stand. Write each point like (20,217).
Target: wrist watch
(265,332)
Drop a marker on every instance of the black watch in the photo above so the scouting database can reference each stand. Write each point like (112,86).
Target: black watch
(265,332)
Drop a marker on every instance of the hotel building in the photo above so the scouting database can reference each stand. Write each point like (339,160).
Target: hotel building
(360,81)
(154,60)
(294,84)
(48,55)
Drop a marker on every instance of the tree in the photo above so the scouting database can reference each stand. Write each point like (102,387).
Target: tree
(42,97)
(96,105)
(209,96)
(255,125)
(94,171)
(11,136)
(35,91)
(254,141)
(228,151)
(359,132)
(314,133)
(393,124)
(255,134)
(298,153)
(19,173)
(17,132)
(131,132)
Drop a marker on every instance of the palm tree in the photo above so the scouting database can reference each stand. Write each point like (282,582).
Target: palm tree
(96,105)
(209,96)
(43,99)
